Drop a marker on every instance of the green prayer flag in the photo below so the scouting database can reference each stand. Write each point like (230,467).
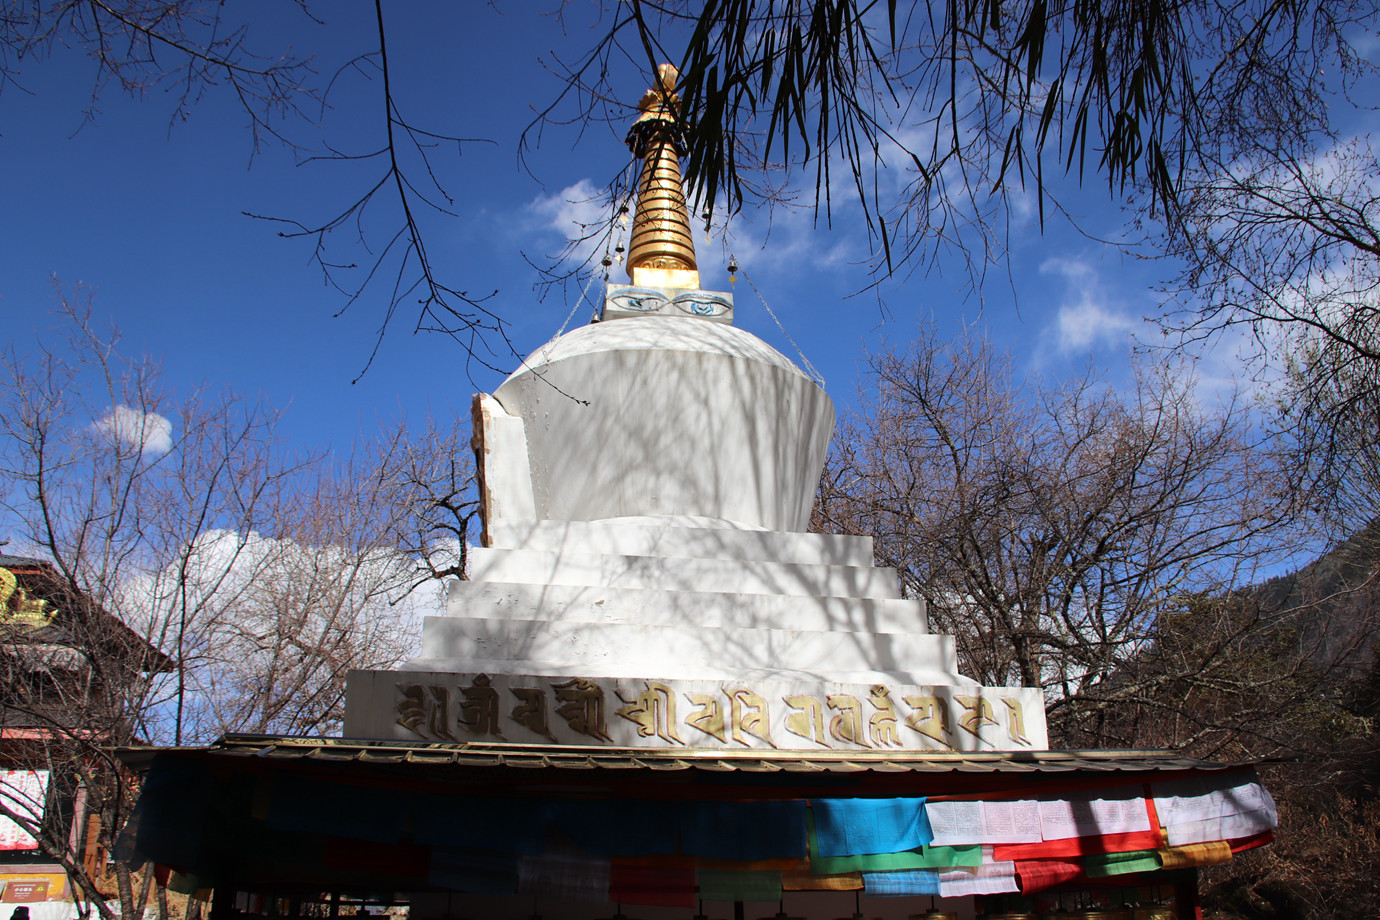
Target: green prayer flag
(925,857)
(727,885)
(1100,865)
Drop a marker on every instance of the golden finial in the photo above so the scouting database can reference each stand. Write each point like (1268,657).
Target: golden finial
(662,251)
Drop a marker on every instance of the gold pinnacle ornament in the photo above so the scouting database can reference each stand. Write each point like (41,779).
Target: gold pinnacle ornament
(662,251)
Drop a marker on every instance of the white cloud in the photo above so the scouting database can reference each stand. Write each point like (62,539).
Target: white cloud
(1088,323)
(149,431)
(1093,316)
(784,239)
(1088,317)
(242,594)
(580,213)
(1232,364)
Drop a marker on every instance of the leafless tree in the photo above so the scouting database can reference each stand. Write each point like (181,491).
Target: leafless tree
(1054,529)
(186,49)
(205,578)
(1282,251)
(98,484)
(179,48)
(433,469)
(337,584)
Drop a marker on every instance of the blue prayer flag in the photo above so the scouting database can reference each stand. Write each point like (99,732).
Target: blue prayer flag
(853,827)
(743,831)
(507,825)
(901,884)
(619,827)
(476,871)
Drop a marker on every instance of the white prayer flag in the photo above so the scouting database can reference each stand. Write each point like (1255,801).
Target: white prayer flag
(1061,819)
(989,878)
(960,823)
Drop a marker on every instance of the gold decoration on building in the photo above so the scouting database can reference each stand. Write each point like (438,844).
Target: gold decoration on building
(882,724)
(749,715)
(1015,721)
(930,717)
(530,713)
(807,720)
(733,715)
(653,711)
(479,710)
(582,707)
(424,710)
(661,252)
(17,607)
(977,712)
(847,725)
(709,718)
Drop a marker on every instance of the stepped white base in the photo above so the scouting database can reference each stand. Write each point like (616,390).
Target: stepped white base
(696,633)
(625,649)
(702,538)
(600,604)
(680,573)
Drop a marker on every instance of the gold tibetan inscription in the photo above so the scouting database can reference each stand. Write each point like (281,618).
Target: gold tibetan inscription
(749,716)
(411,708)
(733,715)
(846,725)
(479,711)
(424,709)
(977,712)
(653,711)
(1015,721)
(530,712)
(808,719)
(709,718)
(930,717)
(582,707)
(882,724)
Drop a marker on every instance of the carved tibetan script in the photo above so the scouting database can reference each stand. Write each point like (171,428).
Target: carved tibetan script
(729,715)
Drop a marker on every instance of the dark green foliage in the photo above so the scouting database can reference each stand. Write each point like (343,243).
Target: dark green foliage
(967,98)
(1302,687)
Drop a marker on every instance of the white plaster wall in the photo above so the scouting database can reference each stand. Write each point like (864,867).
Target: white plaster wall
(670,416)
(661,647)
(658,538)
(688,648)
(603,604)
(505,483)
(681,573)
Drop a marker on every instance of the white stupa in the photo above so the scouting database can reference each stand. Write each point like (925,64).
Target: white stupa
(646,578)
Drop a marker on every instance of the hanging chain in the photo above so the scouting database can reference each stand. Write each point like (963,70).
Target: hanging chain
(810,370)
(571,315)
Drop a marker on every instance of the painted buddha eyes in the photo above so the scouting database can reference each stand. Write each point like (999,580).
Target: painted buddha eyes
(639,300)
(702,303)
(696,303)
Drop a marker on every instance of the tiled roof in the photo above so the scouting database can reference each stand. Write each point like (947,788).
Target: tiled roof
(580,757)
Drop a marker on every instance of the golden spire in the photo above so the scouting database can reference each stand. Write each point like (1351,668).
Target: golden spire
(661,252)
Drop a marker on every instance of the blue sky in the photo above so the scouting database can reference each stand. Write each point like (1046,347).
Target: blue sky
(149,214)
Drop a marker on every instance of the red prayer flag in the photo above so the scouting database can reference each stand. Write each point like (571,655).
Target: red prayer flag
(1079,846)
(1039,874)
(1251,842)
(376,858)
(658,886)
